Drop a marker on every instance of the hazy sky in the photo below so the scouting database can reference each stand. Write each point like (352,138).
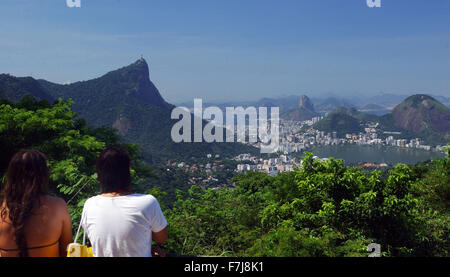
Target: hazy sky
(235,49)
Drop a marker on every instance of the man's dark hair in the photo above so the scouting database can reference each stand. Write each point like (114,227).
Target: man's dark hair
(113,169)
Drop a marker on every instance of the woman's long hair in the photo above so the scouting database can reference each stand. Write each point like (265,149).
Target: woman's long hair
(26,180)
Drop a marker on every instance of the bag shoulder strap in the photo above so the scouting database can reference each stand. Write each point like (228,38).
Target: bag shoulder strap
(79,228)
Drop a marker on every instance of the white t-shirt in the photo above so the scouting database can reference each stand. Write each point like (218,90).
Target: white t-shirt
(122,226)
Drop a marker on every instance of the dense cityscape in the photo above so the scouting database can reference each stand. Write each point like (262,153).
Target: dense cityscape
(294,140)
(300,136)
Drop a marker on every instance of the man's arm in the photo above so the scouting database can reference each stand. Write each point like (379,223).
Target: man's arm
(161,236)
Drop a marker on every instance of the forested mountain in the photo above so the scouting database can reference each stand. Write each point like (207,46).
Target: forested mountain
(341,123)
(345,121)
(362,116)
(420,112)
(421,116)
(127,100)
(130,82)
(14,89)
(321,209)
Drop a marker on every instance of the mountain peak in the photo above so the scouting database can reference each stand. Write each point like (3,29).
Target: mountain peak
(306,103)
(305,110)
(420,96)
(139,67)
(136,78)
(141,63)
(421,112)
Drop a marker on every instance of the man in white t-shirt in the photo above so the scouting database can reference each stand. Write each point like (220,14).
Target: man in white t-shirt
(117,222)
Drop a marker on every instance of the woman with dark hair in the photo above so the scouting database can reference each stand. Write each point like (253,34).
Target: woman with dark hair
(32,223)
(118,222)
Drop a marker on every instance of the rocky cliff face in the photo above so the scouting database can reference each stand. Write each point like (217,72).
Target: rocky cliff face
(141,87)
(306,103)
(305,110)
(421,112)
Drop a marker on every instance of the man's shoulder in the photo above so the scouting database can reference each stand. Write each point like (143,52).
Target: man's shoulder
(141,200)
(90,200)
(147,198)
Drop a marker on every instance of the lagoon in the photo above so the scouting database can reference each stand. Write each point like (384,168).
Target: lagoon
(375,154)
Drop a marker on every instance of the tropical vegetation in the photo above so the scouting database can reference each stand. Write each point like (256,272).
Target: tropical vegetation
(323,208)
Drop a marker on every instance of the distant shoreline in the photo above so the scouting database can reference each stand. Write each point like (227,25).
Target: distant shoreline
(375,153)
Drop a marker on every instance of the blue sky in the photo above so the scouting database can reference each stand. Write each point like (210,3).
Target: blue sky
(235,49)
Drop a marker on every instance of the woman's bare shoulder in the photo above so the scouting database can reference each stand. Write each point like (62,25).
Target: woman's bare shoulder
(54,202)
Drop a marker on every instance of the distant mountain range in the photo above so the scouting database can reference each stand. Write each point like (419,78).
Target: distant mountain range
(418,116)
(379,105)
(374,109)
(127,100)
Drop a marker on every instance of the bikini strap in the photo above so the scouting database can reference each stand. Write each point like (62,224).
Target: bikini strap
(30,248)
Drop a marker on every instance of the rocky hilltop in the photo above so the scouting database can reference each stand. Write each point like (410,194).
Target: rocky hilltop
(422,112)
(305,110)
(305,103)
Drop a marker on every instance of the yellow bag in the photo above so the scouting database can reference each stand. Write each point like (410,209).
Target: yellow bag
(75,250)
(78,250)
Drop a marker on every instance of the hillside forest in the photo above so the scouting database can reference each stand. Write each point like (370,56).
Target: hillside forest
(323,209)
